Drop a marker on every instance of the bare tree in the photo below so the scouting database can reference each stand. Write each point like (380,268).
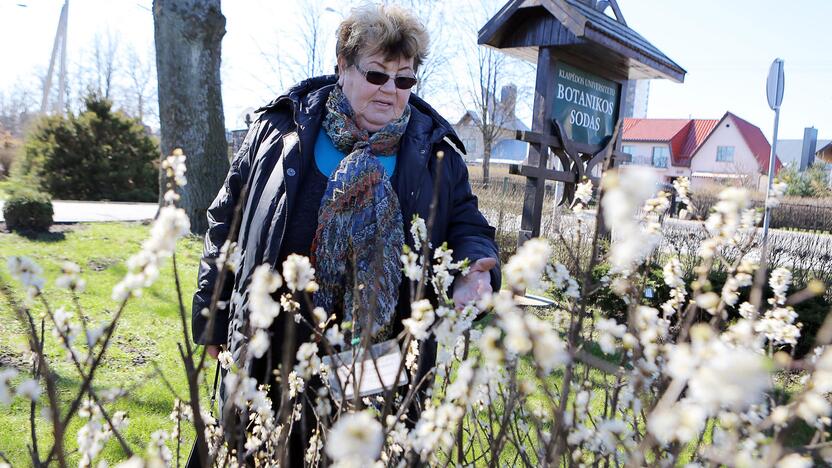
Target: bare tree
(434,70)
(140,86)
(18,106)
(105,62)
(313,39)
(485,77)
(188,36)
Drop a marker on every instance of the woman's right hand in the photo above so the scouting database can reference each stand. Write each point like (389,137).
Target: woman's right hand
(213,350)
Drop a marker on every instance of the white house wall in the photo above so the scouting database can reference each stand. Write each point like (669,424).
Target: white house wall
(642,153)
(704,160)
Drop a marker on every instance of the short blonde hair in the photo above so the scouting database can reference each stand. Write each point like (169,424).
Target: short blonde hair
(390,30)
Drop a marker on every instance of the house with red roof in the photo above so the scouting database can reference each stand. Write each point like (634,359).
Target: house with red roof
(728,151)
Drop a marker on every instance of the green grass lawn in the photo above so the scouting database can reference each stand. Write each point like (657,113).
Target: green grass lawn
(148,332)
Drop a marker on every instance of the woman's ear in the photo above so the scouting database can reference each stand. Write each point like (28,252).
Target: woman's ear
(339,70)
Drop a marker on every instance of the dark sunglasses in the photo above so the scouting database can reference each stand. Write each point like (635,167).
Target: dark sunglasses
(379,78)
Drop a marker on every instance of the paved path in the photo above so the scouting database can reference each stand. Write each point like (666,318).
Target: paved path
(77,211)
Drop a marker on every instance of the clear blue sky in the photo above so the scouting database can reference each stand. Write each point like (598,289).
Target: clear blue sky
(726,46)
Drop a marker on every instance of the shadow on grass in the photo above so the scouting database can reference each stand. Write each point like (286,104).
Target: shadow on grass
(40,236)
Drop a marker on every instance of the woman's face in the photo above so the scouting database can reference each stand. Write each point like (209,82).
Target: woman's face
(375,105)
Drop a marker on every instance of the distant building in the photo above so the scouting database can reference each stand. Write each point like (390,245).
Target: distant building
(801,152)
(506,149)
(636,99)
(728,151)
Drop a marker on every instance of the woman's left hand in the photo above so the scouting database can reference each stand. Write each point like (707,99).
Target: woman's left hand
(475,284)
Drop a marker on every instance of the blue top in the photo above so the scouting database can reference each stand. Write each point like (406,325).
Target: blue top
(327,156)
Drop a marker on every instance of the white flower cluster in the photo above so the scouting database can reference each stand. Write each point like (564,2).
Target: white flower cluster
(674,277)
(70,278)
(157,450)
(308,361)
(28,388)
(355,439)
(813,405)
(263,309)
(625,193)
(583,195)
(243,393)
(608,330)
(524,333)
(449,334)
(776,194)
(730,214)
(174,167)
(143,268)
(435,430)
(778,324)
(444,268)
(28,273)
(562,280)
(93,435)
(525,269)
(420,320)
(299,274)
(419,232)
(682,186)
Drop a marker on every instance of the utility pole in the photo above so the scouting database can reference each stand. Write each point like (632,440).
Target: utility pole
(58,48)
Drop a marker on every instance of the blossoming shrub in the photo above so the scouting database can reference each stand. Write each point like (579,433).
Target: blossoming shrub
(678,383)
(28,210)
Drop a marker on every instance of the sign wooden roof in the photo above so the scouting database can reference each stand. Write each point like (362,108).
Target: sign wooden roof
(584,35)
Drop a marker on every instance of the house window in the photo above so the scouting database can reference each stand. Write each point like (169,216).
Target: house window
(660,156)
(631,150)
(725,153)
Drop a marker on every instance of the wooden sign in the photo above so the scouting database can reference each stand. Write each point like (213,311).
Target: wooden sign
(585,105)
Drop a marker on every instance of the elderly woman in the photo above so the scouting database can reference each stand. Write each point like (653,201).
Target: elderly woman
(335,169)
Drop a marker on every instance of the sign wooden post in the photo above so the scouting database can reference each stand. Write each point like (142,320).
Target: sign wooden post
(584,60)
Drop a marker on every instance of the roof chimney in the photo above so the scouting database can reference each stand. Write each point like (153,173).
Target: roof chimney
(508,100)
(810,143)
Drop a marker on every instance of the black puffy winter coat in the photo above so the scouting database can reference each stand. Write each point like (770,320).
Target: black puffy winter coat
(276,154)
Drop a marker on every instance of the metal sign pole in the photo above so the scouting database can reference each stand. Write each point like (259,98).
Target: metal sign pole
(767,218)
(774,94)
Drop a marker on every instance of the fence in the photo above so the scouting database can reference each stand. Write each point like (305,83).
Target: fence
(791,214)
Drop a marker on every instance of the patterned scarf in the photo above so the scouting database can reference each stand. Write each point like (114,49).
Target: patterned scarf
(358,243)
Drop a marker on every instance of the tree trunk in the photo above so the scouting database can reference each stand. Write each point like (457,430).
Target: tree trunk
(486,161)
(188,36)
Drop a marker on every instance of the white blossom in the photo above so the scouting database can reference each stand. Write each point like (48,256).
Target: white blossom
(780,280)
(410,264)
(298,272)
(525,268)
(6,375)
(30,389)
(608,330)
(681,423)
(626,193)
(308,360)
(70,278)
(225,359)
(583,195)
(355,436)
(259,343)
(421,318)
(263,307)
(419,232)
(795,460)
(28,272)
(776,194)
